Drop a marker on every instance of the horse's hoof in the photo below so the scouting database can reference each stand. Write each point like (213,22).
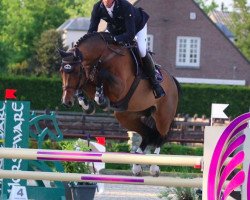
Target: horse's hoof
(137,170)
(104,104)
(138,174)
(157,174)
(154,170)
(91,109)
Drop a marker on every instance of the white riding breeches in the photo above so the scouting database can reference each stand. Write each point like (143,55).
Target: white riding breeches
(141,38)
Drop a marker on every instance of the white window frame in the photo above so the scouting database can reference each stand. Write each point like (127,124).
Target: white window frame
(150,42)
(188,52)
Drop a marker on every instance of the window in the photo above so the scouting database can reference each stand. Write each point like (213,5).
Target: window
(150,42)
(188,52)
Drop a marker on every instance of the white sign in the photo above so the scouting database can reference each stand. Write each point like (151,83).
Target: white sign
(18,193)
(218,111)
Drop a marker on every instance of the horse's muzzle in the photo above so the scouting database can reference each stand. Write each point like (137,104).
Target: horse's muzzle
(67,104)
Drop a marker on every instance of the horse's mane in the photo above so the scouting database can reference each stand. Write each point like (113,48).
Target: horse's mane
(105,35)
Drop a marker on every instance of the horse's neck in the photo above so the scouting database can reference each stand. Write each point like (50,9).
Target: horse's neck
(122,69)
(92,49)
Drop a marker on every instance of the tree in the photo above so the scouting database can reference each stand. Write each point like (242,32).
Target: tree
(241,26)
(206,8)
(46,53)
(79,8)
(25,22)
(3,45)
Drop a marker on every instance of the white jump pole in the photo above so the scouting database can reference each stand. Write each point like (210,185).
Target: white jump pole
(120,158)
(54,176)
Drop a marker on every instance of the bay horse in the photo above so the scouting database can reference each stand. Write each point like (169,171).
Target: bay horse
(96,57)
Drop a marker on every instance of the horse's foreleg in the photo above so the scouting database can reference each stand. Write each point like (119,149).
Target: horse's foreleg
(155,169)
(87,106)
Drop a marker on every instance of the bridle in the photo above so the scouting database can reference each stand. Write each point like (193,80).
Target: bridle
(69,66)
(103,59)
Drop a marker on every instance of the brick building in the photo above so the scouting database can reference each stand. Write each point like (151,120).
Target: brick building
(191,46)
(186,42)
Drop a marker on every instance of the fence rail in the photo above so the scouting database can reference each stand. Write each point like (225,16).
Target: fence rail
(76,125)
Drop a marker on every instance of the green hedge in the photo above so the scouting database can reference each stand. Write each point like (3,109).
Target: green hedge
(195,99)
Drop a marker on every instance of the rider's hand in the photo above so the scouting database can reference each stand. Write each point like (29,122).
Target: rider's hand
(120,42)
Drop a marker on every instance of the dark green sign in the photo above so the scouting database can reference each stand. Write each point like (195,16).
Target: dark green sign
(16,134)
(2,121)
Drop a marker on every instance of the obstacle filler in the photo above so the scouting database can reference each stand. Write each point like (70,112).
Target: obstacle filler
(216,164)
(17,126)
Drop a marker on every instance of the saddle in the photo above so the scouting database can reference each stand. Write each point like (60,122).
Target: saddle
(134,51)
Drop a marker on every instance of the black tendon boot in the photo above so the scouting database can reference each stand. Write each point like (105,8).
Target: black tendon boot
(149,69)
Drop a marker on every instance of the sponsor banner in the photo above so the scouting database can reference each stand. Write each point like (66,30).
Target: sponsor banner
(16,134)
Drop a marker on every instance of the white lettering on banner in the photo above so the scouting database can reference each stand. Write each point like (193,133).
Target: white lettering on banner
(14,107)
(17,138)
(2,121)
(16,167)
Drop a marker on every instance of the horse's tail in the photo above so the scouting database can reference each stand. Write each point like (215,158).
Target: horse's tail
(178,85)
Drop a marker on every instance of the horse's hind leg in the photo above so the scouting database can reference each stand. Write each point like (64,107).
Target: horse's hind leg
(132,121)
(155,169)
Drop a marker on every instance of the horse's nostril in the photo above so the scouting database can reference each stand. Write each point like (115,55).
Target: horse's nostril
(67,104)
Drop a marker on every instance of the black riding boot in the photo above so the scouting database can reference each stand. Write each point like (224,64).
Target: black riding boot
(149,69)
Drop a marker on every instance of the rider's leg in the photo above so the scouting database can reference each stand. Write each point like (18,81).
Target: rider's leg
(148,63)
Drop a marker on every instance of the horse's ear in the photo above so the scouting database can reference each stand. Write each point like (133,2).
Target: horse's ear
(78,54)
(64,53)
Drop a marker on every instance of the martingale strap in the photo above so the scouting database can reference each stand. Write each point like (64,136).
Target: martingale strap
(122,105)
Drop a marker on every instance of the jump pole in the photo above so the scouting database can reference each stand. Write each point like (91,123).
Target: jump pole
(148,180)
(119,158)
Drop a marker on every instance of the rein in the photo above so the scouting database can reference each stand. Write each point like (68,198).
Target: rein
(111,55)
(104,59)
(95,67)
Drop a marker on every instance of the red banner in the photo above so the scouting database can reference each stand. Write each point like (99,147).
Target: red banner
(101,140)
(10,94)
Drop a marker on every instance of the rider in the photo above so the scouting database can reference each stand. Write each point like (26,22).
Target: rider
(125,22)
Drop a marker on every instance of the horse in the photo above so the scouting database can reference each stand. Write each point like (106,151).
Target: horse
(96,57)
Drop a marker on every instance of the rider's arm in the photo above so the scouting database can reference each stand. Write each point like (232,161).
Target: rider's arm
(130,33)
(95,19)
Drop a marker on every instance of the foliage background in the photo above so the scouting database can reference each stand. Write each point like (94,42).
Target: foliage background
(25,26)
(29,42)
(195,99)
(28,29)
